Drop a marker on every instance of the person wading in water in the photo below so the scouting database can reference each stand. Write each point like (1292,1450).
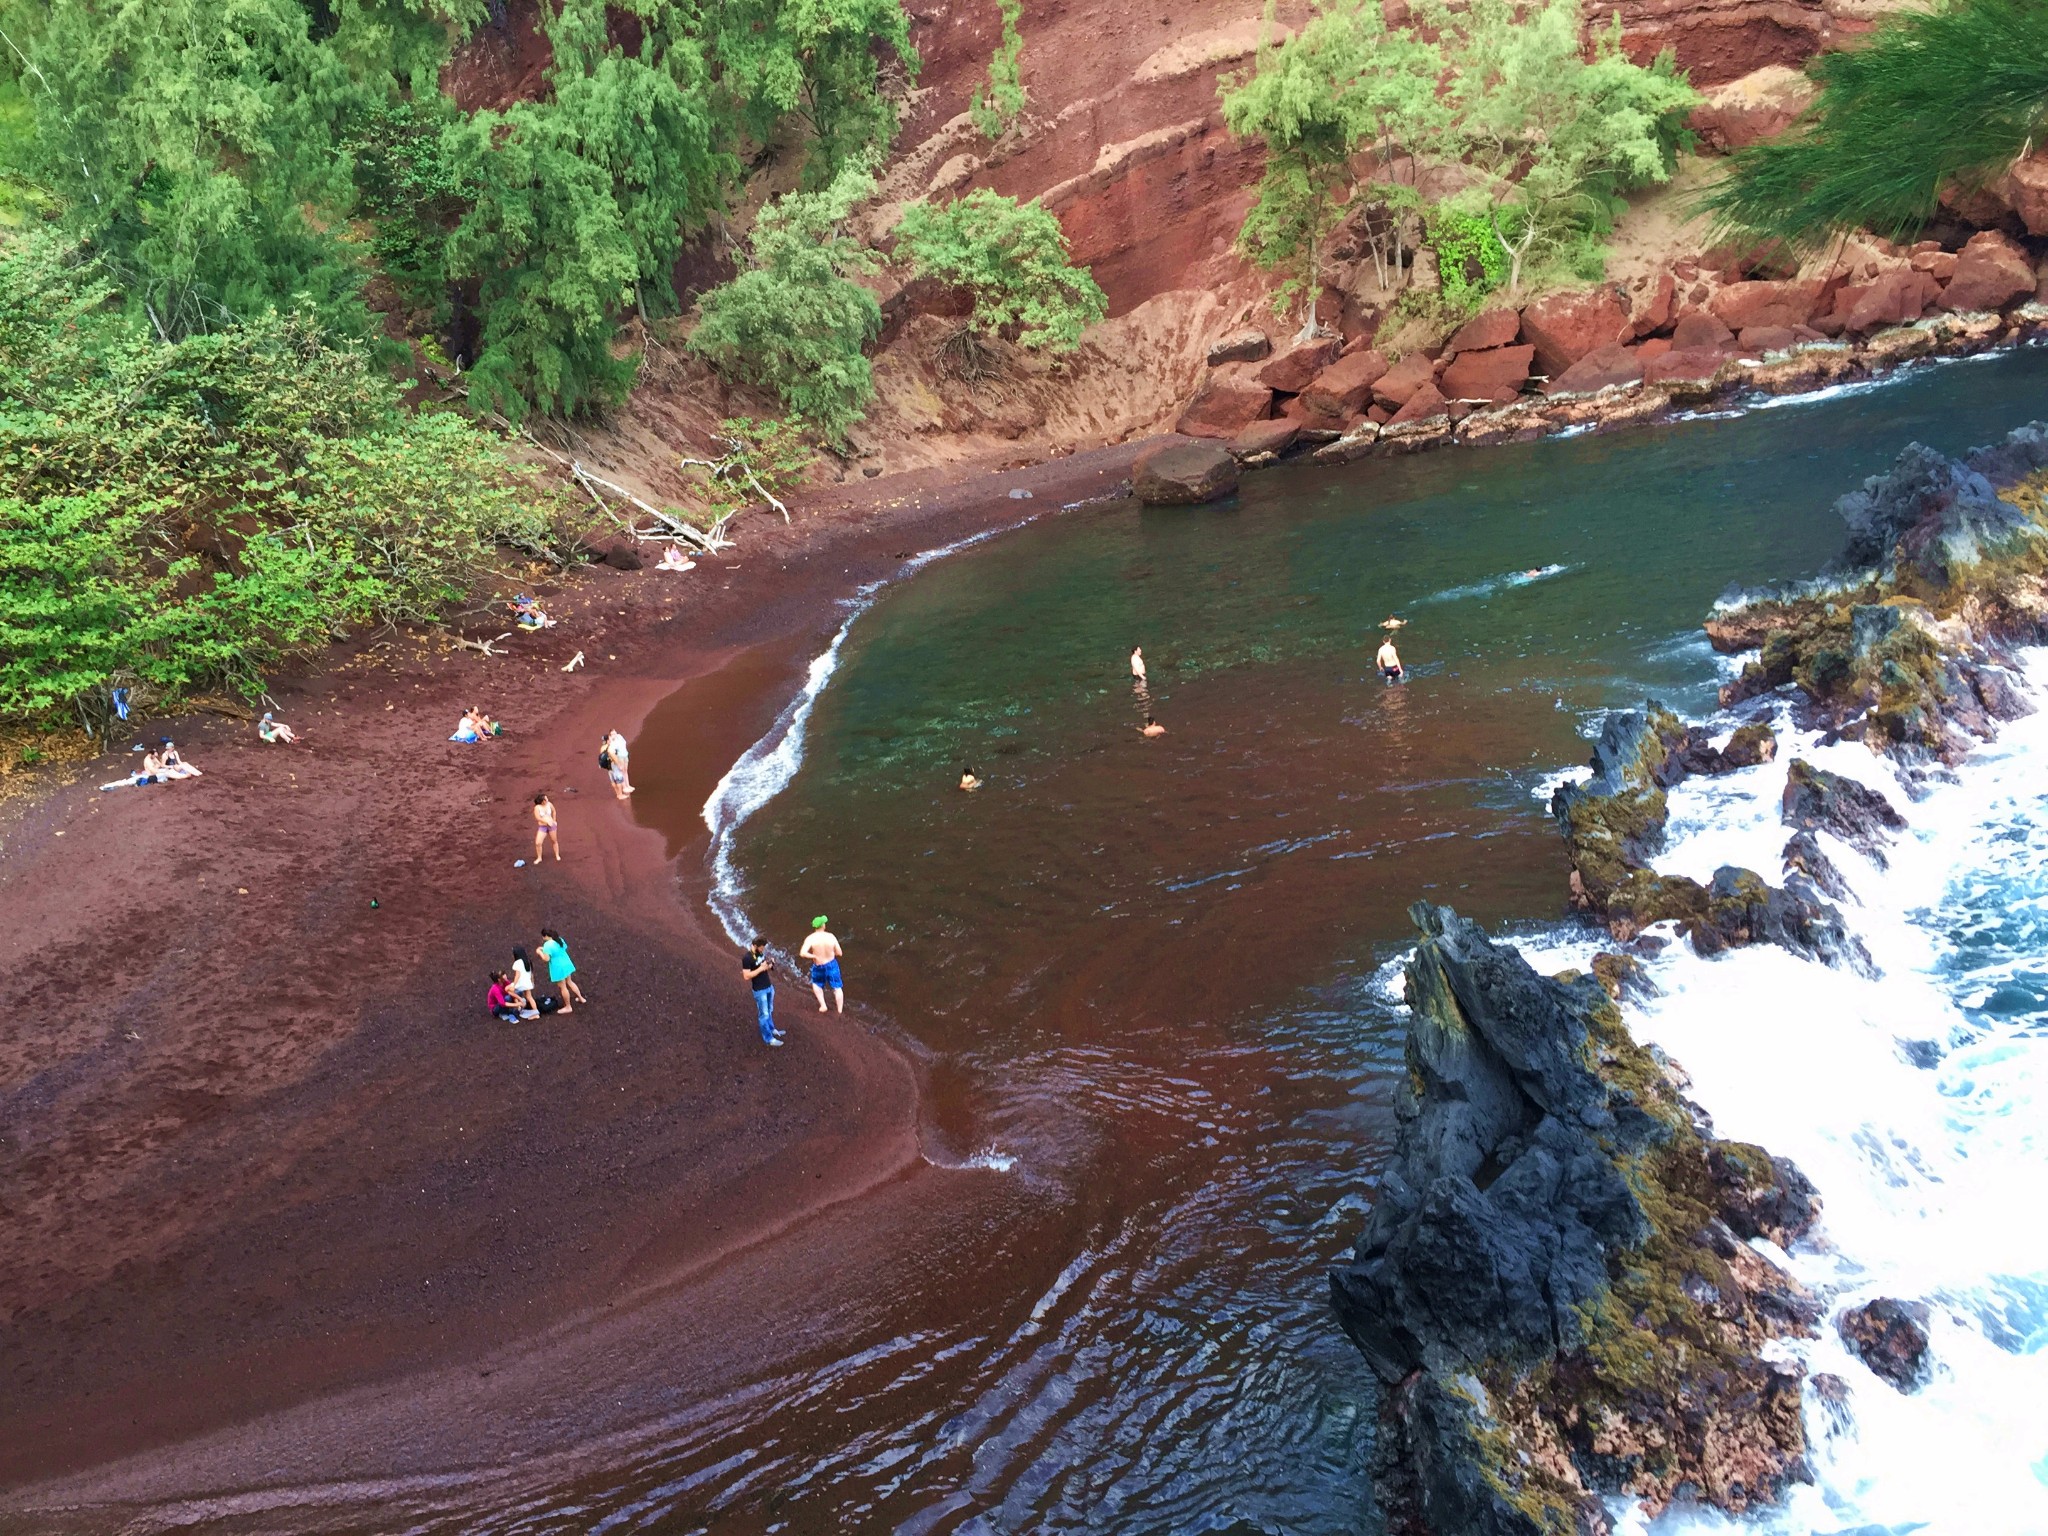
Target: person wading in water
(1389,661)
(823,951)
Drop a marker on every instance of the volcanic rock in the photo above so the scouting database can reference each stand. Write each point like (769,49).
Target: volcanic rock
(1564,327)
(1992,271)
(1246,346)
(1760,105)
(1224,405)
(1747,746)
(1686,369)
(1399,382)
(1550,1283)
(1183,471)
(1816,800)
(1601,368)
(1342,389)
(2025,190)
(1295,369)
(1422,405)
(1701,328)
(1270,436)
(1890,1336)
(1741,305)
(623,555)
(1756,340)
(1896,297)
(1494,328)
(1654,310)
(1804,855)
(1495,375)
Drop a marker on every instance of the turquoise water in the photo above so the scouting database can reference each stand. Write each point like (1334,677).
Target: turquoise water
(1151,975)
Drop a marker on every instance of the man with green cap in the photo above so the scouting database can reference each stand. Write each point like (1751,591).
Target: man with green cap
(823,951)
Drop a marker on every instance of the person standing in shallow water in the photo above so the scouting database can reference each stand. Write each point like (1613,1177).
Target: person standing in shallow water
(1389,661)
(1138,666)
(760,973)
(823,951)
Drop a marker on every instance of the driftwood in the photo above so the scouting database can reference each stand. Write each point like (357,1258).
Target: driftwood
(485,647)
(672,527)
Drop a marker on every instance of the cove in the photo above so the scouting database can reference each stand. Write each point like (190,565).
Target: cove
(1151,978)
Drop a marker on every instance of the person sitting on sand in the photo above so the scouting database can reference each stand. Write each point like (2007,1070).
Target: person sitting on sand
(1151,727)
(272,729)
(172,766)
(499,1001)
(969,779)
(151,772)
(475,726)
(520,986)
(527,613)
(673,559)
(544,826)
(561,969)
(1389,661)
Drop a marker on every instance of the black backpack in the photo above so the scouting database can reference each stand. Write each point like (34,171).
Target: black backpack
(604,758)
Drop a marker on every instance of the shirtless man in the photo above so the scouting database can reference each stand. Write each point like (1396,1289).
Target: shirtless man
(823,951)
(1151,727)
(1389,661)
(1138,666)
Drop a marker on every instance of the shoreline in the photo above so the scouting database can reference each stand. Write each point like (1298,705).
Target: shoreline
(314,1414)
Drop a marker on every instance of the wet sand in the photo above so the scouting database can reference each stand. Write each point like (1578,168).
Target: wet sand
(283,1208)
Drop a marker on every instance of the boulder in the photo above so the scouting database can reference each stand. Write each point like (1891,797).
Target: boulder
(1803,855)
(1426,402)
(1183,471)
(1760,105)
(1741,305)
(1653,311)
(1686,367)
(1654,346)
(2025,190)
(1701,328)
(1495,328)
(1937,264)
(1564,327)
(1224,405)
(623,555)
(1342,389)
(1271,436)
(1295,369)
(1495,375)
(1756,340)
(1403,379)
(1895,297)
(1890,1336)
(1992,271)
(1601,368)
(1245,346)
(1816,800)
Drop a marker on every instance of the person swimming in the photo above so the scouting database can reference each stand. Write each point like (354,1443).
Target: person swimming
(1389,661)
(1151,727)
(1390,622)
(969,779)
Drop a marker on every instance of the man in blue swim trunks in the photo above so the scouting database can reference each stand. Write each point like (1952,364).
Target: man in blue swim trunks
(823,951)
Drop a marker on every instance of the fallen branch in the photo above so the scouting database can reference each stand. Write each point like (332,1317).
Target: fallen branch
(711,543)
(485,647)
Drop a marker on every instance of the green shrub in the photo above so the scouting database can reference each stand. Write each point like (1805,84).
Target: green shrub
(1469,261)
(795,323)
(995,108)
(1012,258)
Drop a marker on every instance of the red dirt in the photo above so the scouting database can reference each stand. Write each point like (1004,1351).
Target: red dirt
(260,1140)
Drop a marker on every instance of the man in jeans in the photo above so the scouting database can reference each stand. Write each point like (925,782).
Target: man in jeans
(759,971)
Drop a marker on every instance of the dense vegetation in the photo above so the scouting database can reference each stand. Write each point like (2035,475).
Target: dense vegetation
(179,515)
(1543,136)
(1932,98)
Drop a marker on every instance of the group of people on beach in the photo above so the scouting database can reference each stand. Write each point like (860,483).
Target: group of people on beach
(159,766)
(513,995)
(821,949)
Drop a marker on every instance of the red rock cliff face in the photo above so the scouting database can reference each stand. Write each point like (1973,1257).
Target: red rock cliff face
(1721,40)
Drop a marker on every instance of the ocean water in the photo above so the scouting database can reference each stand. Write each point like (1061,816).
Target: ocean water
(1155,982)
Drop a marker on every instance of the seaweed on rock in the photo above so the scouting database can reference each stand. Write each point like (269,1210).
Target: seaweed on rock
(1555,1284)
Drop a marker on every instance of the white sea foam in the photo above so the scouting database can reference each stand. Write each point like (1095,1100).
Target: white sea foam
(1502,583)
(766,768)
(1934,1180)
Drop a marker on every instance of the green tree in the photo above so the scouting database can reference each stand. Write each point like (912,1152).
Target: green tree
(1950,94)
(1345,81)
(1012,258)
(996,106)
(795,323)
(1556,137)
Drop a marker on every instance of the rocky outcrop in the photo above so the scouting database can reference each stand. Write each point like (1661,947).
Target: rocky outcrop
(1909,646)
(1816,800)
(1759,105)
(1182,472)
(1564,327)
(1890,1337)
(1554,1284)
(1224,405)
(1245,346)
(1991,271)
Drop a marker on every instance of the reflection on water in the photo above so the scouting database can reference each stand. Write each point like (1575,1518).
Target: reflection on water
(1152,973)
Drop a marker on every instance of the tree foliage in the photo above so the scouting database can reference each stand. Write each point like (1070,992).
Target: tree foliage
(1012,258)
(187,513)
(795,323)
(996,106)
(1951,94)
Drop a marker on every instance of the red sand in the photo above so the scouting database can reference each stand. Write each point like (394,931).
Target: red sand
(281,1205)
